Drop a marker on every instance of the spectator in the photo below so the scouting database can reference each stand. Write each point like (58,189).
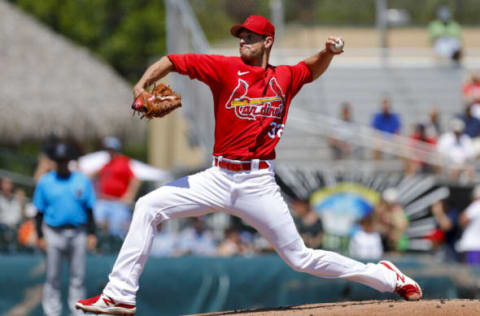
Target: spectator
(342,149)
(11,204)
(366,243)
(433,125)
(196,240)
(392,221)
(117,187)
(470,221)
(457,150)
(234,245)
(164,243)
(446,36)
(472,124)
(309,225)
(417,163)
(45,161)
(386,122)
(471,93)
(64,201)
(472,128)
(453,234)
(438,236)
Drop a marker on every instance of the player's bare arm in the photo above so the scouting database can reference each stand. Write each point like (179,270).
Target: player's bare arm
(155,72)
(319,62)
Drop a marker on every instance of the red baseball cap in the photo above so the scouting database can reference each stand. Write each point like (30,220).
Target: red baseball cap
(257,24)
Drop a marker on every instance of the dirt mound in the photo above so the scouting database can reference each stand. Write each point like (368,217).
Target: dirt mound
(457,307)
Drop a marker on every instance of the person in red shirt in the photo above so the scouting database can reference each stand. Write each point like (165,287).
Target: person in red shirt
(251,99)
(420,139)
(471,93)
(117,187)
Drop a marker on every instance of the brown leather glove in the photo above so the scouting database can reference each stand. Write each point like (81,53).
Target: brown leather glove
(158,103)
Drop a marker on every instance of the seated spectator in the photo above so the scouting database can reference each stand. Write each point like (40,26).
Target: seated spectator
(11,204)
(471,93)
(446,36)
(164,242)
(386,122)
(418,164)
(392,221)
(472,124)
(438,236)
(234,244)
(366,243)
(457,151)
(309,225)
(45,158)
(433,125)
(26,233)
(342,149)
(470,221)
(472,128)
(196,240)
(117,188)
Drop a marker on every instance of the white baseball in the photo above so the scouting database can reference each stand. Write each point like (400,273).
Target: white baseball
(337,46)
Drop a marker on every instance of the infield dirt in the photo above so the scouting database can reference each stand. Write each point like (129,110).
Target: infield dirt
(456,307)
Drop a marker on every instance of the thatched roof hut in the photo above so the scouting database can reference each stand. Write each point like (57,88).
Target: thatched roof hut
(50,85)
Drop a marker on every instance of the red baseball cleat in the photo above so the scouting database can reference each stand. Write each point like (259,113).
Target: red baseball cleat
(105,305)
(406,287)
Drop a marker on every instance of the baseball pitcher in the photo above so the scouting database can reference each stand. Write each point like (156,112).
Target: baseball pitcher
(251,99)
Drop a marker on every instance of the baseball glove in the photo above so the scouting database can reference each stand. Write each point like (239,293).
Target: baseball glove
(158,103)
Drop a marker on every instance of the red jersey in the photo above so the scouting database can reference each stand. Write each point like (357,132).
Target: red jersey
(250,103)
(115,176)
(472,90)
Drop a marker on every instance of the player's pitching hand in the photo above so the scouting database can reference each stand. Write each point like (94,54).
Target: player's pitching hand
(334,45)
(137,90)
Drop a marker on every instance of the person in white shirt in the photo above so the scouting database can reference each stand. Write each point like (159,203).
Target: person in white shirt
(366,243)
(11,204)
(469,243)
(457,150)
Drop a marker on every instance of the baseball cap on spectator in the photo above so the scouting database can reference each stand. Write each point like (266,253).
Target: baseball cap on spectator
(112,143)
(62,152)
(256,24)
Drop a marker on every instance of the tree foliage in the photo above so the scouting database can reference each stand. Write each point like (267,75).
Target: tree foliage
(126,33)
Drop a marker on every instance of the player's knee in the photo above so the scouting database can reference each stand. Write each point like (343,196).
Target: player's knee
(298,257)
(143,208)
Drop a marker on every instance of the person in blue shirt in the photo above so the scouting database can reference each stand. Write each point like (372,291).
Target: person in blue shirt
(65,228)
(385,120)
(472,124)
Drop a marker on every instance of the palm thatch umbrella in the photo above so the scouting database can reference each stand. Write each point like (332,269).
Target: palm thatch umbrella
(50,85)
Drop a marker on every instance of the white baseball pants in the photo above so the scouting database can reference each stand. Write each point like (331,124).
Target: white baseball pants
(253,196)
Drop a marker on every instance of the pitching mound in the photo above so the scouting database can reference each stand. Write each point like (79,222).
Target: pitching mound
(455,307)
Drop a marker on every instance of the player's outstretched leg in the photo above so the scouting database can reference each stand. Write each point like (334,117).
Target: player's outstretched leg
(269,214)
(384,276)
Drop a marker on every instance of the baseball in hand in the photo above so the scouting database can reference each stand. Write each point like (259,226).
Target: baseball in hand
(337,47)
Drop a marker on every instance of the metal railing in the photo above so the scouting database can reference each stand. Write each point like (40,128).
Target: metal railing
(367,137)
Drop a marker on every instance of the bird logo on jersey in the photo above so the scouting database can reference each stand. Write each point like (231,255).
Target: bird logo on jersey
(248,108)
